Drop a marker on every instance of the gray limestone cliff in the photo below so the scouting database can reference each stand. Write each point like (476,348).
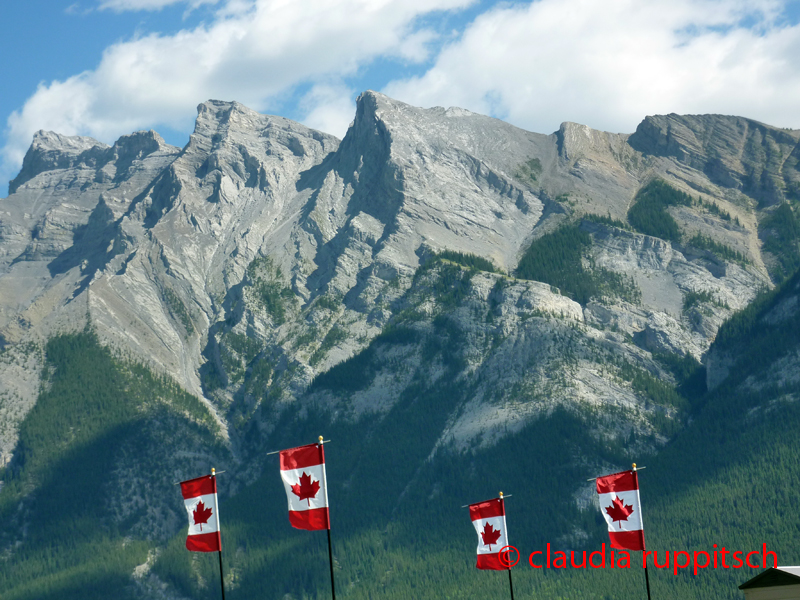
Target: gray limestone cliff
(264,255)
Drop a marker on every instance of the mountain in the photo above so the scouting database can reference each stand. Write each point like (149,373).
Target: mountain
(456,300)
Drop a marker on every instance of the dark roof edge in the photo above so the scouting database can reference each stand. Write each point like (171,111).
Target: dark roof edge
(776,575)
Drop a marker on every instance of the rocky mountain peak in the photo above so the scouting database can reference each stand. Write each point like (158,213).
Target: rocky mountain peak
(232,127)
(372,102)
(214,113)
(138,145)
(576,140)
(215,118)
(50,150)
(49,141)
(368,127)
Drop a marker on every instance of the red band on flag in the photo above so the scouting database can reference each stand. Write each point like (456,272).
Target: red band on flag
(204,542)
(493,562)
(301,457)
(487,510)
(201,486)
(627,540)
(312,520)
(625,481)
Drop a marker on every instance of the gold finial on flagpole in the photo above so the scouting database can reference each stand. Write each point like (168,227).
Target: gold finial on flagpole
(320,440)
(501,495)
(213,471)
(634,466)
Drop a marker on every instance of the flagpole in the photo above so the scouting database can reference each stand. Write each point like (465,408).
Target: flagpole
(330,550)
(646,576)
(219,532)
(510,582)
(330,558)
(221,578)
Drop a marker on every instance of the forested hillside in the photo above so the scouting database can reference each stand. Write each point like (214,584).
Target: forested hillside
(707,486)
(100,426)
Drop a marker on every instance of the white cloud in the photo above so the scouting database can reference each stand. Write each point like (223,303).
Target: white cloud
(253,51)
(329,108)
(608,64)
(137,5)
(416,46)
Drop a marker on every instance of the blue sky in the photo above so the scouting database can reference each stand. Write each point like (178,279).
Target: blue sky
(104,68)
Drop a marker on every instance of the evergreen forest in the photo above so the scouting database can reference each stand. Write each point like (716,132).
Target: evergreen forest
(727,478)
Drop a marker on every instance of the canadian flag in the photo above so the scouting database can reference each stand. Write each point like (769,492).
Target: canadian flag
(303,474)
(489,520)
(620,505)
(200,499)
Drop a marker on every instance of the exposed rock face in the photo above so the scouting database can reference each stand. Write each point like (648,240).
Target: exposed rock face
(264,253)
(733,152)
(52,151)
(70,191)
(665,275)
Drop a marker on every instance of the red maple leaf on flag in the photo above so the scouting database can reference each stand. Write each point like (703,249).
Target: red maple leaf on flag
(306,489)
(618,511)
(201,514)
(490,535)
